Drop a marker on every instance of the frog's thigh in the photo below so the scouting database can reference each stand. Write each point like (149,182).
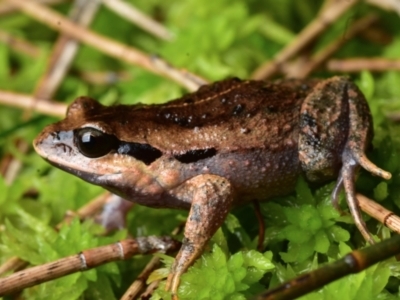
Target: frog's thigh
(324,126)
(211,201)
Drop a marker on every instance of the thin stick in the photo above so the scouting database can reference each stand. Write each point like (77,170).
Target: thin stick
(132,14)
(386,4)
(378,212)
(7,8)
(14,165)
(64,51)
(104,78)
(318,59)
(373,64)
(13,263)
(18,44)
(50,108)
(330,12)
(140,282)
(102,43)
(353,262)
(84,261)
(395,116)
(149,290)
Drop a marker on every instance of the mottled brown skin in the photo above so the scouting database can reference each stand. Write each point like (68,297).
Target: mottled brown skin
(228,143)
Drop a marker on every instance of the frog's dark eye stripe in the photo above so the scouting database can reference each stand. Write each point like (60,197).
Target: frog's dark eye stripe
(196,155)
(95,143)
(142,152)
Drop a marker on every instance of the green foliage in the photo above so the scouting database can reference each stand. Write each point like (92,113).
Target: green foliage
(218,275)
(309,226)
(38,244)
(381,191)
(366,84)
(223,38)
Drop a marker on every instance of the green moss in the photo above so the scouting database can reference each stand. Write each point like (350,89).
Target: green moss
(218,275)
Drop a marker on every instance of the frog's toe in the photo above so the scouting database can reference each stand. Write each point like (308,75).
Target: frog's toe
(365,163)
(335,194)
(172,284)
(348,173)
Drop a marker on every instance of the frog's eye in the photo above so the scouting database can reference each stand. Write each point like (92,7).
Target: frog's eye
(94,143)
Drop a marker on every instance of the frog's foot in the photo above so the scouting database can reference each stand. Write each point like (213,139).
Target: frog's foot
(113,216)
(352,160)
(211,201)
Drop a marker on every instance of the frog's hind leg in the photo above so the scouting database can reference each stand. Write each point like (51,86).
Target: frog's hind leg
(353,155)
(352,162)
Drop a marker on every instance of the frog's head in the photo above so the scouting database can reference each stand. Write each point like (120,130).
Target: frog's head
(86,145)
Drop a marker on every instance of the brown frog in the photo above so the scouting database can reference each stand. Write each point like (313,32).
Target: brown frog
(227,144)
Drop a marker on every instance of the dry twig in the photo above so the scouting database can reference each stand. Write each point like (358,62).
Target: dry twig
(102,43)
(378,212)
(132,14)
(140,282)
(318,59)
(331,11)
(386,4)
(64,51)
(18,44)
(51,108)
(84,261)
(12,264)
(7,8)
(353,262)
(104,78)
(373,64)
(10,166)
(137,286)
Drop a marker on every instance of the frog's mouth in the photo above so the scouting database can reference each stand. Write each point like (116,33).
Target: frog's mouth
(113,179)
(108,171)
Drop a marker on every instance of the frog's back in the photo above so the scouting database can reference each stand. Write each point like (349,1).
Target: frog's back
(227,115)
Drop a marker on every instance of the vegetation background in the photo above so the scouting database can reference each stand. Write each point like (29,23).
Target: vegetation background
(214,40)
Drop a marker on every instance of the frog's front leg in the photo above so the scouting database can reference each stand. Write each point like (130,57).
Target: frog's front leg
(211,198)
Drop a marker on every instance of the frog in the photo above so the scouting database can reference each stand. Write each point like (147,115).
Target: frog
(229,143)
